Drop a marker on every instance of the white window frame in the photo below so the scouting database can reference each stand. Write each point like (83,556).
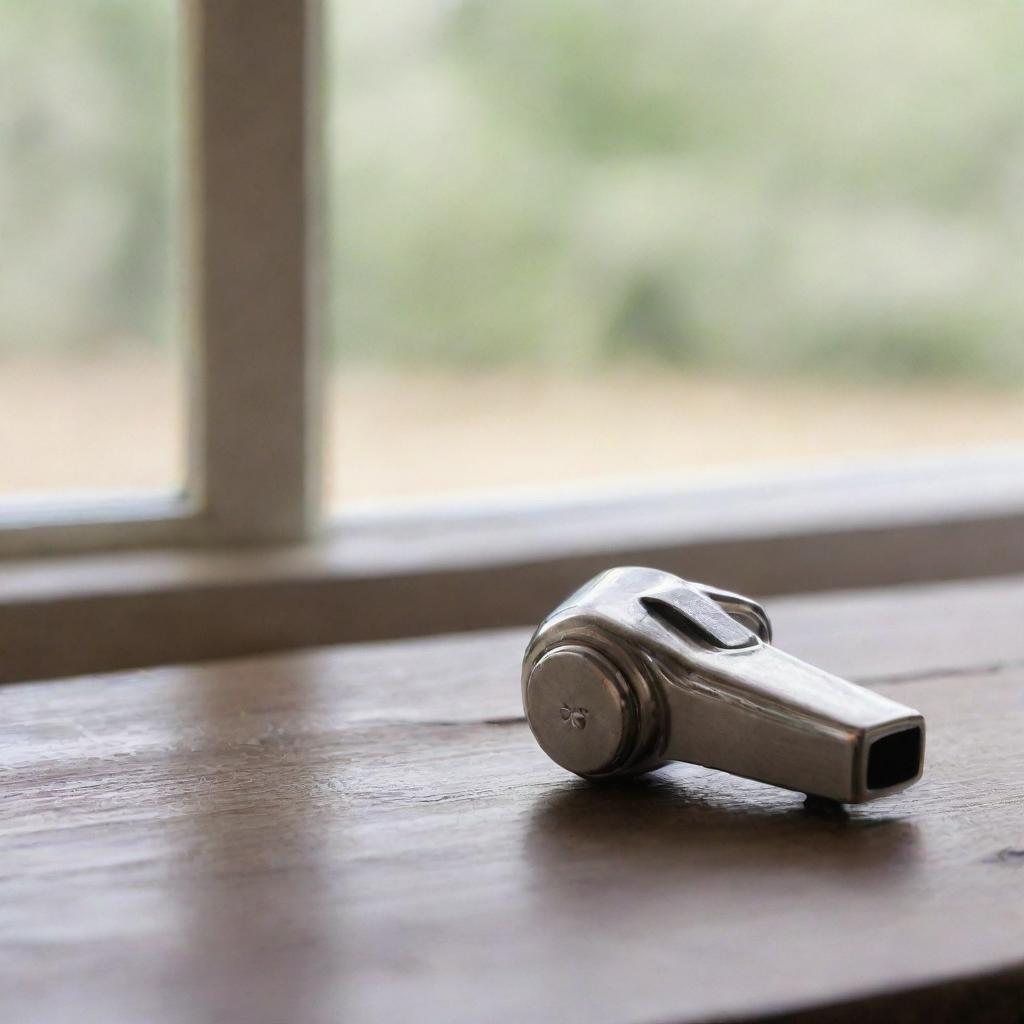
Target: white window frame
(241,564)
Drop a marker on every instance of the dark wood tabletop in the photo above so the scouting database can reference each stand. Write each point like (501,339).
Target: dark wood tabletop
(370,833)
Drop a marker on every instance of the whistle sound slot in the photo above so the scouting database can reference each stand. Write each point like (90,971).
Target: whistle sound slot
(894,758)
(693,615)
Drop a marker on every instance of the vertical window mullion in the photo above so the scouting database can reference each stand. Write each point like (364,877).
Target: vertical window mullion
(255,167)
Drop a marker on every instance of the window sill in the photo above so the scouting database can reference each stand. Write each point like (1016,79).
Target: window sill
(434,568)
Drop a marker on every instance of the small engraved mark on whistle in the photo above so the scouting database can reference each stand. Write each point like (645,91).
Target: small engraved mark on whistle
(575,718)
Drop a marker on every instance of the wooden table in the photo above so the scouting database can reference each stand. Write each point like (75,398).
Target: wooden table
(370,834)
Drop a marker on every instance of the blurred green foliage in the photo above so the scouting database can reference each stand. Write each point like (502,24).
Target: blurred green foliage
(799,186)
(802,186)
(90,145)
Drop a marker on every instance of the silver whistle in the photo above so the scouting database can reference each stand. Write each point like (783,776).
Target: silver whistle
(639,668)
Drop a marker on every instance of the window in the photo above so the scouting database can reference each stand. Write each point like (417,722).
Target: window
(90,198)
(250,115)
(520,291)
(592,241)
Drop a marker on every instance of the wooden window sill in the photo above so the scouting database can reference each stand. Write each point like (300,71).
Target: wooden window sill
(439,568)
(370,833)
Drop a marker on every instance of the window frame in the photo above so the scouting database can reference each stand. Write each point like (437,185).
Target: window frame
(252,259)
(255,263)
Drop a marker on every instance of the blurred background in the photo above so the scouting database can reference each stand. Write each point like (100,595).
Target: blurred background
(568,242)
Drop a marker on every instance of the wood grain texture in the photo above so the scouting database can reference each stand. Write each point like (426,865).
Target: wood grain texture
(370,834)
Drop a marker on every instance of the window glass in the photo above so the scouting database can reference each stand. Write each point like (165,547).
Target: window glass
(584,240)
(90,144)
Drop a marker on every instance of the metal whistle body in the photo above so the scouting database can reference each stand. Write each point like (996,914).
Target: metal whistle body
(639,668)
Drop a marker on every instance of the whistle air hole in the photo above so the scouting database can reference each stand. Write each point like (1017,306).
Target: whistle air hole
(894,758)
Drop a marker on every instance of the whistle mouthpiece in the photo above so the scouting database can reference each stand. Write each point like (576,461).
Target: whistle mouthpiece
(639,668)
